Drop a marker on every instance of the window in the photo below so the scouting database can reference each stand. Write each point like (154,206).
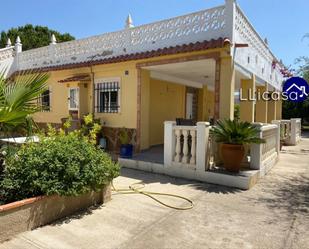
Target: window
(44,101)
(107,96)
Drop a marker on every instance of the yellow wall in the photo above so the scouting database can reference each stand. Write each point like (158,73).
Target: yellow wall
(127,117)
(167,102)
(128,91)
(160,100)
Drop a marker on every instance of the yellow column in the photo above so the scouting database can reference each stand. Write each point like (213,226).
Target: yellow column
(279,109)
(247,106)
(145,106)
(271,111)
(227,88)
(261,105)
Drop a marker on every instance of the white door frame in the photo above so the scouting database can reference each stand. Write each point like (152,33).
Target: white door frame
(77,99)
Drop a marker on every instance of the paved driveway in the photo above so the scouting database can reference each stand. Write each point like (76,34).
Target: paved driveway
(274,214)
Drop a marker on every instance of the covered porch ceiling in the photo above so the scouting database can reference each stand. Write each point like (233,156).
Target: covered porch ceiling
(197,73)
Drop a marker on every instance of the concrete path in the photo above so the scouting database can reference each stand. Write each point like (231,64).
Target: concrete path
(274,214)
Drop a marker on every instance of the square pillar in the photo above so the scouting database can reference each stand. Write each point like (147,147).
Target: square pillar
(144,109)
(247,106)
(261,105)
(224,88)
(271,111)
(279,109)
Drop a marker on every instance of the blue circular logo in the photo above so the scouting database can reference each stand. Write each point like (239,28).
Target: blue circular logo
(296,89)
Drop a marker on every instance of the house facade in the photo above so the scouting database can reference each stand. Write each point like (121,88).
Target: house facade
(184,67)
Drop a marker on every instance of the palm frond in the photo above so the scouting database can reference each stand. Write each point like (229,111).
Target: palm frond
(236,132)
(18,99)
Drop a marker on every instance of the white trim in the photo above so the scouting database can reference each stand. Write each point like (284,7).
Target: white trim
(69,107)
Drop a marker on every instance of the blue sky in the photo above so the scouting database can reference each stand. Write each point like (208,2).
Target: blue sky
(283,22)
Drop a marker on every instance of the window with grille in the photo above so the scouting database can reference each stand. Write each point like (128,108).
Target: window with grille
(107,96)
(44,101)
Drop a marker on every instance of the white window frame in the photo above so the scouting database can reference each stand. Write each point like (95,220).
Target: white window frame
(108,80)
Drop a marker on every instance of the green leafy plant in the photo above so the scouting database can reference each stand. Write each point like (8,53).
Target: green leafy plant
(63,164)
(90,128)
(237,112)
(236,132)
(124,136)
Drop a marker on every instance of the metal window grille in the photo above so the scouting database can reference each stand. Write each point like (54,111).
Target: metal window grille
(107,97)
(43,101)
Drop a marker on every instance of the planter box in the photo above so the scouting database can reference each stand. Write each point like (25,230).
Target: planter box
(31,213)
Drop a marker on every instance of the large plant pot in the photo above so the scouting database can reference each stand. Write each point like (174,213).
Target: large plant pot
(232,156)
(126,151)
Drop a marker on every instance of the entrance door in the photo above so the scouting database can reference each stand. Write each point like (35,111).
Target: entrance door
(189,106)
(73,99)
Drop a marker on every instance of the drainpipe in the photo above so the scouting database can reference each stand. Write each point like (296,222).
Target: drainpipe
(93,91)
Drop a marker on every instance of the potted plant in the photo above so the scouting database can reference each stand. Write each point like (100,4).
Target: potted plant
(126,149)
(233,135)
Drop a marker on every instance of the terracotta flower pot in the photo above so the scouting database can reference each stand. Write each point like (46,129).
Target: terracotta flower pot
(232,156)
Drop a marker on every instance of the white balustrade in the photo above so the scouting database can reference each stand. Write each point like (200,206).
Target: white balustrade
(264,156)
(6,53)
(7,56)
(186,146)
(290,130)
(226,21)
(257,57)
(203,25)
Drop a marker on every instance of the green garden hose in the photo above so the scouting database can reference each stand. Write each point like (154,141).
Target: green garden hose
(136,188)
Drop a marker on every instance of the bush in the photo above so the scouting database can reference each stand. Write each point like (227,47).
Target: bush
(67,165)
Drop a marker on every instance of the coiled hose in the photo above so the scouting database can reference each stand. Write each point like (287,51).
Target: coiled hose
(136,188)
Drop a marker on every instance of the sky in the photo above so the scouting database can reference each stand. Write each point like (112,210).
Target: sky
(283,22)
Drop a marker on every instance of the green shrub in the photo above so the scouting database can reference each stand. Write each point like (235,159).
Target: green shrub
(68,165)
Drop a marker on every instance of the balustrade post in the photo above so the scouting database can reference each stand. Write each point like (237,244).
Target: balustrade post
(256,150)
(169,142)
(278,138)
(278,134)
(185,149)
(178,146)
(293,131)
(193,147)
(202,145)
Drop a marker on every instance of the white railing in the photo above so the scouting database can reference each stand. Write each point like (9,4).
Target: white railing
(6,53)
(186,146)
(290,130)
(199,26)
(226,21)
(6,60)
(264,156)
(257,57)
(295,130)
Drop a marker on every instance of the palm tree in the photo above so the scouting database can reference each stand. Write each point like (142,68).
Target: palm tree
(18,101)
